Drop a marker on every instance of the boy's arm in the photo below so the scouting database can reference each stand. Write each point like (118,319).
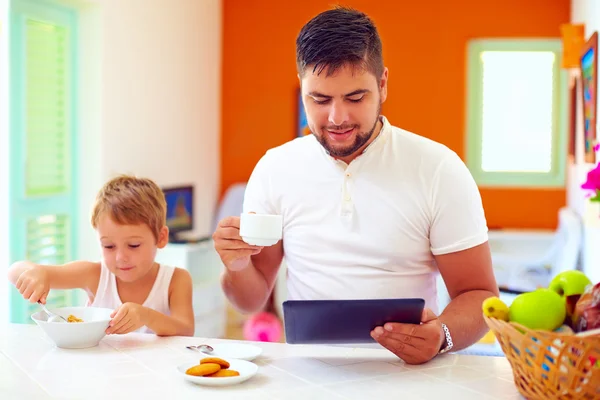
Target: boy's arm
(181,320)
(26,276)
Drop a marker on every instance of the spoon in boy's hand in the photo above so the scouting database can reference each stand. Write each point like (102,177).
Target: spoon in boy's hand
(51,316)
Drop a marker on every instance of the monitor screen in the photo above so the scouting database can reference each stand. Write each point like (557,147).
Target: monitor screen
(180,211)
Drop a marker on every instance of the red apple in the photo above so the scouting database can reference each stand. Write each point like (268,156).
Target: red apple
(587,310)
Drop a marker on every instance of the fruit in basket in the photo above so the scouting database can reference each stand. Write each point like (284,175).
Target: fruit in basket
(587,310)
(542,309)
(493,307)
(570,283)
(570,304)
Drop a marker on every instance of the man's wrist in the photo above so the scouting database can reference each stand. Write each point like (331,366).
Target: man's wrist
(447,343)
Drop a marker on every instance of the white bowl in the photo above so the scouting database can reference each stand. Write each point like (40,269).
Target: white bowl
(75,335)
(246,369)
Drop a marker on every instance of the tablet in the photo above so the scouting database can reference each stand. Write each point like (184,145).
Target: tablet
(345,321)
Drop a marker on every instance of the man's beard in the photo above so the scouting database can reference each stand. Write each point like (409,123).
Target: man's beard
(359,139)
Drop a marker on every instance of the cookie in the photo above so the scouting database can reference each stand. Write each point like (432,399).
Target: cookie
(203,369)
(214,360)
(224,373)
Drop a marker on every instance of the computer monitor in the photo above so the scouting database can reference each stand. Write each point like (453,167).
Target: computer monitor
(180,209)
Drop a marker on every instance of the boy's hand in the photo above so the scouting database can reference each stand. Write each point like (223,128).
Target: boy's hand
(33,285)
(127,318)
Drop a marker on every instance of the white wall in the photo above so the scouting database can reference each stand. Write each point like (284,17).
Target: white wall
(151,84)
(587,12)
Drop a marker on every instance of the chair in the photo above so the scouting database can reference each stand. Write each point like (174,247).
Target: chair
(231,204)
(520,267)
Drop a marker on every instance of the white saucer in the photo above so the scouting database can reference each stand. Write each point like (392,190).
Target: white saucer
(246,369)
(238,351)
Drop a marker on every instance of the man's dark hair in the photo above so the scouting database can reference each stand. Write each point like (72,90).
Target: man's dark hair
(336,38)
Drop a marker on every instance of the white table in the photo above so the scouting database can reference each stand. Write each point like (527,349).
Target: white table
(138,366)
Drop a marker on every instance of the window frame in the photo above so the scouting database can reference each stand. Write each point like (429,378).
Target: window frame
(556,177)
(21,207)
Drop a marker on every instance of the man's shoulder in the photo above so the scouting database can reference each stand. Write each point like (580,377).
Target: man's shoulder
(416,144)
(420,151)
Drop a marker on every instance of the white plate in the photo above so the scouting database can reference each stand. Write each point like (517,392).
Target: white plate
(246,369)
(237,351)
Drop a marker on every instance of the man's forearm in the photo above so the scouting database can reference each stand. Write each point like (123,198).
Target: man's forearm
(247,290)
(464,318)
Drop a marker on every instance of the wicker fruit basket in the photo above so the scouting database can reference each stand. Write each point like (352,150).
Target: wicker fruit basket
(550,365)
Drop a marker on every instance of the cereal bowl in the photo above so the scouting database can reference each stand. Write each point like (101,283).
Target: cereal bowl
(75,335)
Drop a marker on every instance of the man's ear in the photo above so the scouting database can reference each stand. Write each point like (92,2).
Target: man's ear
(163,237)
(383,84)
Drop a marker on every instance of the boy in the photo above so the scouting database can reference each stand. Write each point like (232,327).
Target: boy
(129,215)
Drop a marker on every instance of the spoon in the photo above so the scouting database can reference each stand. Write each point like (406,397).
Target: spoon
(52,317)
(203,348)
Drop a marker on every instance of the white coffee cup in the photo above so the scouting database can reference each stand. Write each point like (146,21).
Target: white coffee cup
(261,229)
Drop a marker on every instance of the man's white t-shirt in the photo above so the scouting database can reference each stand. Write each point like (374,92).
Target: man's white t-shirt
(369,229)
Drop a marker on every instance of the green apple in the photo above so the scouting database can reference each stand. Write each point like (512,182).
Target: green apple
(570,283)
(542,309)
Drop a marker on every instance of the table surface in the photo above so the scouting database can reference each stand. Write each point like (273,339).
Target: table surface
(144,366)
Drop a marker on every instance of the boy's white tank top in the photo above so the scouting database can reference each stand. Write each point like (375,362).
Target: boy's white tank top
(107,295)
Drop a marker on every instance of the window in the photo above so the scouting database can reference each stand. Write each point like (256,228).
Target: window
(516,125)
(42,202)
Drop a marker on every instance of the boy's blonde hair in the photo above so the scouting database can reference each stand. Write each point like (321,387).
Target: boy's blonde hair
(129,200)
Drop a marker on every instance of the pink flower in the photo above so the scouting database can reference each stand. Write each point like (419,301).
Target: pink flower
(593,179)
(596,147)
(593,184)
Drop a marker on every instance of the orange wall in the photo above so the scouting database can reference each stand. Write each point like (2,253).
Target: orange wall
(424,48)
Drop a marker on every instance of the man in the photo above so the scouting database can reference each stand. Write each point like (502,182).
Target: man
(369,210)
